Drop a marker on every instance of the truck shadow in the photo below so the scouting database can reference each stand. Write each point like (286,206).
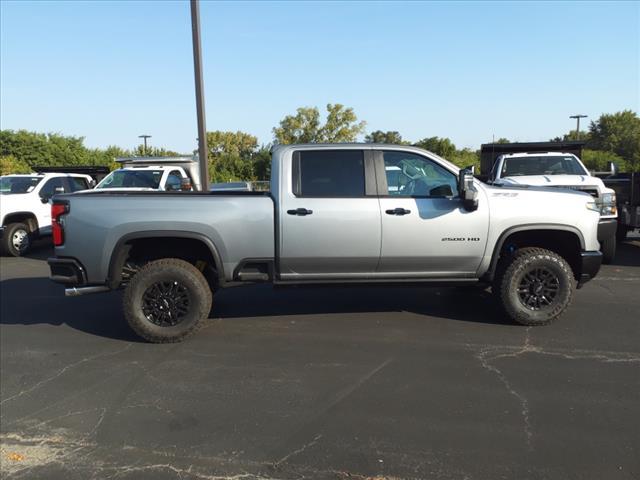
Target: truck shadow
(32,301)
(628,253)
(454,303)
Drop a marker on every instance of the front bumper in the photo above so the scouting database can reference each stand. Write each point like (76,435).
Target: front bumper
(590,262)
(607,228)
(67,271)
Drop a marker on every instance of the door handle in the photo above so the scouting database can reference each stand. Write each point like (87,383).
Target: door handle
(398,211)
(300,211)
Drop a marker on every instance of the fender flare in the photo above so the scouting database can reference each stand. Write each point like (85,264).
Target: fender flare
(121,250)
(29,215)
(523,228)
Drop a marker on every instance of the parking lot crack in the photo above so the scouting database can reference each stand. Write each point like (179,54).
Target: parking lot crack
(299,450)
(61,372)
(488,356)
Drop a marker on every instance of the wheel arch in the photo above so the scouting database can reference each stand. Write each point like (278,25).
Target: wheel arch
(126,243)
(22,217)
(540,235)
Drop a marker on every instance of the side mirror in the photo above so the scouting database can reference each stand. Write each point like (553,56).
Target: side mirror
(45,198)
(613,168)
(466,189)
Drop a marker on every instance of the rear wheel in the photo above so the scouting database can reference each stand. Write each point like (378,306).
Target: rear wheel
(167,300)
(608,249)
(535,286)
(16,239)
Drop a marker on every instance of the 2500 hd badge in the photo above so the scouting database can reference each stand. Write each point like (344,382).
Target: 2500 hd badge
(460,239)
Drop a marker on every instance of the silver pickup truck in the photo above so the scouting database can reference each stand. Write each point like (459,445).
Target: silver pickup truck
(345,213)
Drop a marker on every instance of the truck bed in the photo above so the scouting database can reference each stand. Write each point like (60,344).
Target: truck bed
(102,219)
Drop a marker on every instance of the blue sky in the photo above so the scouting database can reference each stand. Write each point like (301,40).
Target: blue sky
(110,71)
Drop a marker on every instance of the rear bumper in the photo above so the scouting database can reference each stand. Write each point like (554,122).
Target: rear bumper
(607,228)
(67,271)
(590,265)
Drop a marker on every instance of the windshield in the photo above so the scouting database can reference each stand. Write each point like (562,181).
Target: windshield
(132,179)
(18,184)
(543,165)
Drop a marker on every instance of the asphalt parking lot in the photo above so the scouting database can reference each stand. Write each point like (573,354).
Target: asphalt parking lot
(321,383)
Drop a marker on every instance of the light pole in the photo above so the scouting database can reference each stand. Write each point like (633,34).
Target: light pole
(197,71)
(144,152)
(578,117)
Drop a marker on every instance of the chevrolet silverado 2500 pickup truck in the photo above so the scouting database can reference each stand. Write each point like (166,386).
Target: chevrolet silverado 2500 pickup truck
(344,213)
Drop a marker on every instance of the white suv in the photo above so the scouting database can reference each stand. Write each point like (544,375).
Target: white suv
(24,206)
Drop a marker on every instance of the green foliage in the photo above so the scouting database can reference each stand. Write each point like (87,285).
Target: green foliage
(598,161)
(40,149)
(10,164)
(234,156)
(466,158)
(618,133)
(379,136)
(54,150)
(440,146)
(153,152)
(341,125)
(502,140)
(572,136)
(262,163)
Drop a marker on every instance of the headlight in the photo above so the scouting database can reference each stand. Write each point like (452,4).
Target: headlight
(593,206)
(609,198)
(608,204)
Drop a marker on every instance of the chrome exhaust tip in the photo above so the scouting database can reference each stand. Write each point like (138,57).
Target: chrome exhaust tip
(77,291)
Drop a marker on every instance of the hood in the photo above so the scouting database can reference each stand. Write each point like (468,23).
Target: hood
(553,181)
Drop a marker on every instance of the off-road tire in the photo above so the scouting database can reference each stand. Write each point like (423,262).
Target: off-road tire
(513,271)
(167,271)
(608,249)
(7,239)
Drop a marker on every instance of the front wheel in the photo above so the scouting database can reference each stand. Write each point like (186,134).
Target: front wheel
(16,239)
(167,300)
(535,287)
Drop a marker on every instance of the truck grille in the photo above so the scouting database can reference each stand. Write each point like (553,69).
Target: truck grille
(590,190)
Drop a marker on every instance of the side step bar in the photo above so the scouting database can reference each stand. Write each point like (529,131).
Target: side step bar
(76,292)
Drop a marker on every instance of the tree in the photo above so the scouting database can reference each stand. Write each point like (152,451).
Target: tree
(465,158)
(262,163)
(572,136)
(140,151)
(341,125)
(40,149)
(231,156)
(238,143)
(379,136)
(502,140)
(440,146)
(618,133)
(598,161)
(10,164)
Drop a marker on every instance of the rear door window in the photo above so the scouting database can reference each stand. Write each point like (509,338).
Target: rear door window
(329,173)
(77,183)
